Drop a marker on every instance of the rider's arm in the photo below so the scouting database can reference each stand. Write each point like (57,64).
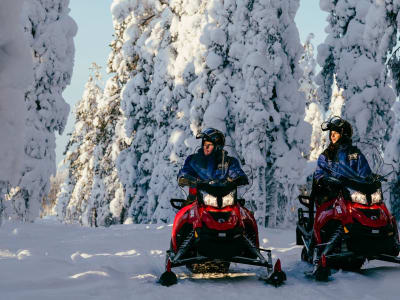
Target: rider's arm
(320,172)
(236,175)
(363,169)
(187,176)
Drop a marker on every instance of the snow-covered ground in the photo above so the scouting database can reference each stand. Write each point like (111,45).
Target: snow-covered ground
(49,260)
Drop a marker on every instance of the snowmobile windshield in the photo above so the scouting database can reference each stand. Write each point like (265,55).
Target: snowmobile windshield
(217,190)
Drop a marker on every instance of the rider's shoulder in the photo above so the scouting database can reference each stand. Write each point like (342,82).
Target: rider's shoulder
(190,157)
(323,155)
(231,159)
(354,149)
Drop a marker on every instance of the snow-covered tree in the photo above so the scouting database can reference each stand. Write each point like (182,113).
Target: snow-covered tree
(79,158)
(107,200)
(314,110)
(50,31)
(392,158)
(147,101)
(384,23)
(50,201)
(16,74)
(359,38)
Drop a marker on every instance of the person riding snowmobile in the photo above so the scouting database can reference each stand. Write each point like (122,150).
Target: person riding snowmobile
(341,160)
(211,165)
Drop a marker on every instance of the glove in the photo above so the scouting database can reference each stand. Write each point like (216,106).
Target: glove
(328,180)
(201,184)
(330,183)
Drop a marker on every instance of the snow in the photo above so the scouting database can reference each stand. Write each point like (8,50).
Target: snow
(49,260)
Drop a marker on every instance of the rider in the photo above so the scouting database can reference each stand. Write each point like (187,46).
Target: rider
(211,164)
(340,160)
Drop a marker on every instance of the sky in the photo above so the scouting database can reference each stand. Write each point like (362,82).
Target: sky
(95,32)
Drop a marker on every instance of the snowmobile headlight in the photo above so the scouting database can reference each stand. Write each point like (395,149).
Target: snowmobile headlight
(210,200)
(359,197)
(228,199)
(376,197)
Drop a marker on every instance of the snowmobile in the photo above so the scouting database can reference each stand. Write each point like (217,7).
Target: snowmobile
(351,224)
(214,231)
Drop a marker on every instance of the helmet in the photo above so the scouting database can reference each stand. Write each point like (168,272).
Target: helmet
(214,136)
(339,125)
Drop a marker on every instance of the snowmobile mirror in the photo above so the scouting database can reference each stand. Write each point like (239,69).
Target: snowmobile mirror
(177,203)
(305,200)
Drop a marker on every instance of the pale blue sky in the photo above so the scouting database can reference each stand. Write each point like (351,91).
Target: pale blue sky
(95,33)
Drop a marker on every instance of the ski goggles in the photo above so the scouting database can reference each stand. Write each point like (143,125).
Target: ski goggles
(335,123)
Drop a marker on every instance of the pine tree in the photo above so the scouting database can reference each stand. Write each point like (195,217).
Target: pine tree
(79,154)
(392,155)
(146,99)
(111,140)
(16,77)
(383,24)
(314,110)
(50,32)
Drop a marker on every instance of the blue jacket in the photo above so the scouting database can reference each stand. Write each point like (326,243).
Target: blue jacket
(210,167)
(348,162)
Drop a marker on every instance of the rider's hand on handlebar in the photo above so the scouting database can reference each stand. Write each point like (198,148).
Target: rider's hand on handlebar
(202,183)
(330,181)
(217,183)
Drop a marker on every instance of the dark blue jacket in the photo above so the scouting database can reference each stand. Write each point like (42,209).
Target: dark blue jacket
(348,162)
(212,167)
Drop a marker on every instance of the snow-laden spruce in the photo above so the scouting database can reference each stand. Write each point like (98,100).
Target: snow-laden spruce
(392,158)
(50,31)
(79,159)
(150,103)
(229,65)
(359,38)
(107,200)
(384,23)
(16,74)
(314,110)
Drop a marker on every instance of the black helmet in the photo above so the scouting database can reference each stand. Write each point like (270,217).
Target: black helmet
(214,136)
(339,125)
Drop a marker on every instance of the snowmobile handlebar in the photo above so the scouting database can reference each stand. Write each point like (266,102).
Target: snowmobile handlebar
(175,201)
(366,185)
(305,200)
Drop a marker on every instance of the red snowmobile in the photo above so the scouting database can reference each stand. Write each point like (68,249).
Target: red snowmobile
(351,224)
(214,231)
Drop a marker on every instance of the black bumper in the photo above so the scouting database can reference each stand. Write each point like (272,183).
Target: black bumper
(220,244)
(370,241)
